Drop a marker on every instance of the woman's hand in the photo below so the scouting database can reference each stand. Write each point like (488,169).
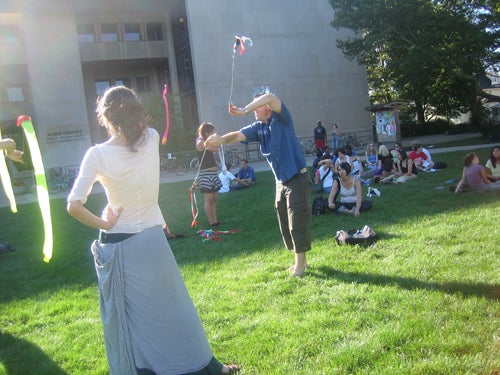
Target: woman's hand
(214,141)
(111,216)
(15,155)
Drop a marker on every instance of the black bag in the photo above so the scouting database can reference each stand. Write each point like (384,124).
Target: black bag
(440,165)
(319,206)
(318,188)
(365,236)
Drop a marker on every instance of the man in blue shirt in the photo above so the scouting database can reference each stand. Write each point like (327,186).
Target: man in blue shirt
(246,176)
(275,132)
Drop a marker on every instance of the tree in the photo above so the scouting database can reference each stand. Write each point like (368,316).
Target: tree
(427,52)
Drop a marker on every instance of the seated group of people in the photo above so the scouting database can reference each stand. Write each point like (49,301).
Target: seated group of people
(243,179)
(477,177)
(340,177)
(343,174)
(398,166)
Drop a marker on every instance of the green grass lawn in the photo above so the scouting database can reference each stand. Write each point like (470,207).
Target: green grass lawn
(423,300)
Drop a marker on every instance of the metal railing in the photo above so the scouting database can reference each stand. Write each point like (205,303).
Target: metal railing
(358,140)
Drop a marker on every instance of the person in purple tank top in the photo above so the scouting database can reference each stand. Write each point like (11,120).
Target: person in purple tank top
(475,175)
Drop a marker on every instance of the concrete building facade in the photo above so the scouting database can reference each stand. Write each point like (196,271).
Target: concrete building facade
(57,56)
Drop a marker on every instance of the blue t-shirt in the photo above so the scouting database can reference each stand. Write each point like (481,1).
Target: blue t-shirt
(278,143)
(248,173)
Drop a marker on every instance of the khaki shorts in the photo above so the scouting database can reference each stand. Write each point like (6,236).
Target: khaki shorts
(293,211)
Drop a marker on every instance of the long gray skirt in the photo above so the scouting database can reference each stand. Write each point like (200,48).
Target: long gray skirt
(148,317)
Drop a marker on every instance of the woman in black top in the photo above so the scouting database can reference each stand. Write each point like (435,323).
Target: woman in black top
(207,181)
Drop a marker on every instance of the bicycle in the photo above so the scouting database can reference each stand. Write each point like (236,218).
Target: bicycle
(308,147)
(168,164)
(230,157)
(194,164)
(60,183)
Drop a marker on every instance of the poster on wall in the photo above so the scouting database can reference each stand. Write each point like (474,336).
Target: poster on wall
(386,125)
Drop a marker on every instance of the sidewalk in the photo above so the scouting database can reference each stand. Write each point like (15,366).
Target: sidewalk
(262,165)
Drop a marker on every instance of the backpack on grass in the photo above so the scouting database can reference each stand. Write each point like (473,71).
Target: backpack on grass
(319,206)
(365,236)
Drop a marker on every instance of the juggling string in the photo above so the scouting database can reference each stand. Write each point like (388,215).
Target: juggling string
(232,79)
(6,183)
(222,159)
(194,207)
(210,234)
(41,183)
(239,42)
(167,116)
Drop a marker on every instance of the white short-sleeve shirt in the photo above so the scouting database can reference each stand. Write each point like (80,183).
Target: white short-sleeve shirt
(131,180)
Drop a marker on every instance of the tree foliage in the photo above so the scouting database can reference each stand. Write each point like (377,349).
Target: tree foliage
(429,53)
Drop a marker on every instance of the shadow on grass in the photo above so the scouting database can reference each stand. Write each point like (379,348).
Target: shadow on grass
(487,291)
(10,345)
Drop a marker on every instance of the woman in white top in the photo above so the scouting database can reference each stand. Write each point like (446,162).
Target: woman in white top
(492,166)
(350,191)
(150,323)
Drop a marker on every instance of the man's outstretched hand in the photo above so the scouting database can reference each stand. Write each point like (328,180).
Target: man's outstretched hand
(236,111)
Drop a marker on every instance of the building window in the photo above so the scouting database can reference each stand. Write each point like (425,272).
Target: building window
(132,32)
(101,87)
(86,33)
(143,84)
(15,94)
(109,32)
(123,82)
(10,35)
(154,31)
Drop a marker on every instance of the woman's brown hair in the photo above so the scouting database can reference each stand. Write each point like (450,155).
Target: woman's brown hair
(119,110)
(204,130)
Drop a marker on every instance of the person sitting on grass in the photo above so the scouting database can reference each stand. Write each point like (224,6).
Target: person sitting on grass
(422,160)
(245,177)
(405,169)
(227,178)
(475,175)
(325,174)
(350,191)
(493,165)
(386,170)
(371,156)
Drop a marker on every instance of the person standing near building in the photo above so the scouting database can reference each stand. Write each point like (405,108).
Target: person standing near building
(150,323)
(319,136)
(335,137)
(274,130)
